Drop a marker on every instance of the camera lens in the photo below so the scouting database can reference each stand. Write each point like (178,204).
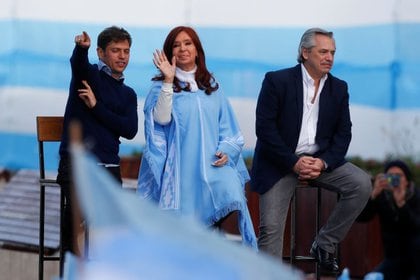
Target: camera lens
(393,180)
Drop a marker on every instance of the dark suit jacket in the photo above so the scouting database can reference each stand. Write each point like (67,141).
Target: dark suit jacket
(279,119)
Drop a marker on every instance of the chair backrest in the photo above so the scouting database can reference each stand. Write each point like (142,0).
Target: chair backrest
(48,129)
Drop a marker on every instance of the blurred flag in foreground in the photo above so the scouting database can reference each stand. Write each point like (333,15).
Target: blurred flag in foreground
(133,239)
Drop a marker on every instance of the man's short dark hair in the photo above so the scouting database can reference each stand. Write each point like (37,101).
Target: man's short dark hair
(113,34)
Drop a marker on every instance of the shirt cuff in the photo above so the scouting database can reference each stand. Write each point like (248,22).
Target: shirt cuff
(167,88)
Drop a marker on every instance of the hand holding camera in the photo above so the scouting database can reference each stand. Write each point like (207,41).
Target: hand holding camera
(384,182)
(389,182)
(393,180)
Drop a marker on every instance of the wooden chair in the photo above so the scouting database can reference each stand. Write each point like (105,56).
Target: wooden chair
(49,129)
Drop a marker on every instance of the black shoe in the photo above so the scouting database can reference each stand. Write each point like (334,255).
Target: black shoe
(326,260)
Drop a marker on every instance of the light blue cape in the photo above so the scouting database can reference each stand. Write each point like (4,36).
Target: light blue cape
(176,170)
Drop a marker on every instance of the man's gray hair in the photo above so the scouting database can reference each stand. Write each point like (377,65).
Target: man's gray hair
(308,40)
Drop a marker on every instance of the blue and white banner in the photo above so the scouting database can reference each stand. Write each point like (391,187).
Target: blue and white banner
(376,54)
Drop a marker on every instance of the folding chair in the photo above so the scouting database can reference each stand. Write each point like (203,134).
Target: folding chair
(49,129)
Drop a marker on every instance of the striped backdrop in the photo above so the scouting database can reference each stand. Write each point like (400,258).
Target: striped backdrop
(377,54)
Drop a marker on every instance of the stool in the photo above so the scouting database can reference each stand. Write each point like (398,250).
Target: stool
(293,257)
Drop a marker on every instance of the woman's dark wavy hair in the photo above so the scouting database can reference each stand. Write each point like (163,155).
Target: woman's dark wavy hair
(203,77)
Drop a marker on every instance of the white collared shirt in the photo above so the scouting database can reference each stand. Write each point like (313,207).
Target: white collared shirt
(306,143)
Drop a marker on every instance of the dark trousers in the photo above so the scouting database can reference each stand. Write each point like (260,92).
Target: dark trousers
(65,180)
(406,265)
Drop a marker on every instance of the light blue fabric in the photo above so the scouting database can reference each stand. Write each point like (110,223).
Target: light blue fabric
(177,171)
(131,239)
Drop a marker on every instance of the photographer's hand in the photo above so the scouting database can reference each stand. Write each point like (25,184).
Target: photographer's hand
(379,185)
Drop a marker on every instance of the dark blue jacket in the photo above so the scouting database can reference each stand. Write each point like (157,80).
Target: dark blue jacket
(279,119)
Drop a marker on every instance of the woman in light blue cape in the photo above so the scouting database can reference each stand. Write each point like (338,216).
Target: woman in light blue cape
(192,161)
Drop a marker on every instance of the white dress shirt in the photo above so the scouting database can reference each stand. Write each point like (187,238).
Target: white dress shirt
(306,143)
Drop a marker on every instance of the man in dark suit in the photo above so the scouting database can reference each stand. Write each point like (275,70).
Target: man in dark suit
(303,132)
